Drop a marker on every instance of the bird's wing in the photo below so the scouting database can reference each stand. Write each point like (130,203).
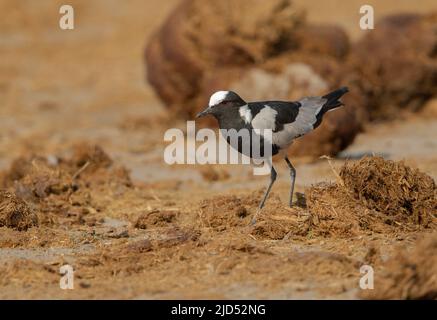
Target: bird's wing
(273,114)
(307,117)
(287,120)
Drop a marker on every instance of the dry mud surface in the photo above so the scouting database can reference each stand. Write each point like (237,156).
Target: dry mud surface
(83,182)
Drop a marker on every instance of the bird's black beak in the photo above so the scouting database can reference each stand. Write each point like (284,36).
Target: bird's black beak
(203,113)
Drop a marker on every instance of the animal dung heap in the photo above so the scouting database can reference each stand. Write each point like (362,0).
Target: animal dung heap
(15,213)
(260,49)
(374,194)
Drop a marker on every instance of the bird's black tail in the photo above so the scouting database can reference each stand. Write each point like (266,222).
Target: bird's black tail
(333,97)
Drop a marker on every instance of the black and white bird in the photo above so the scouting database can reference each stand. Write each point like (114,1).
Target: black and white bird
(288,120)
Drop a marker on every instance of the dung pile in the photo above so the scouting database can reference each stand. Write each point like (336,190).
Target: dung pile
(34,178)
(42,176)
(397,66)
(61,186)
(404,194)
(234,214)
(224,212)
(252,47)
(92,156)
(408,274)
(15,213)
(373,194)
(155,218)
(334,213)
(213,173)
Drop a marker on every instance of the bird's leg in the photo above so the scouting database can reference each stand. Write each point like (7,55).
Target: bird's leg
(293,179)
(272,180)
(261,205)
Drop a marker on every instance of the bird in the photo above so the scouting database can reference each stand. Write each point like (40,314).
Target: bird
(287,120)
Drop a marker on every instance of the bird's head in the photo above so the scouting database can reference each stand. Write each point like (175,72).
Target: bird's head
(220,101)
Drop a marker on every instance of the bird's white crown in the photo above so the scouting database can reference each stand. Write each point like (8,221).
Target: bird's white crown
(218,97)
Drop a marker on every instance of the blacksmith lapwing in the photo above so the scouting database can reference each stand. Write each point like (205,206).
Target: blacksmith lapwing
(288,120)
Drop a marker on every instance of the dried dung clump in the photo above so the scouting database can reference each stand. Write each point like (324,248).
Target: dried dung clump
(408,274)
(212,173)
(15,213)
(38,178)
(332,215)
(223,212)
(157,218)
(91,155)
(91,164)
(140,246)
(396,67)
(42,176)
(373,195)
(175,236)
(392,188)
(68,186)
(232,213)
(278,222)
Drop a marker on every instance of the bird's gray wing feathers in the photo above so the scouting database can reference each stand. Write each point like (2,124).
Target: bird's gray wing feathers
(289,121)
(307,116)
(265,118)
(304,122)
(273,114)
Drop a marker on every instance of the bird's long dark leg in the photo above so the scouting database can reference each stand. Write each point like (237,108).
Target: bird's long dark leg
(261,205)
(272,180)
(293,179)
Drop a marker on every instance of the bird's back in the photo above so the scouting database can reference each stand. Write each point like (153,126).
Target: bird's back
(287,120)
(273,114)
(290,120)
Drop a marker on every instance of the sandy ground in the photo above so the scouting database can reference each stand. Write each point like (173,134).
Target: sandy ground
(60,88)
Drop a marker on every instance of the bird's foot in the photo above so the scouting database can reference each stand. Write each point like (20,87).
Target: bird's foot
(253,221)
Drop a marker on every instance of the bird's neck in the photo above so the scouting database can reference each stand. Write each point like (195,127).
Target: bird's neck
(230,118)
